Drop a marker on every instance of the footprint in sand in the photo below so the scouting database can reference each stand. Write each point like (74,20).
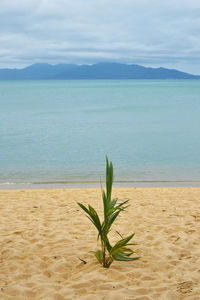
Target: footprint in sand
(185,287)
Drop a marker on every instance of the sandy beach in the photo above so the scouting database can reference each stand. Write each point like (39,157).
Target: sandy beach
(44,234)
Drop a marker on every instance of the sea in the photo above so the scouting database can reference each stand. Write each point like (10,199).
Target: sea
(57,133)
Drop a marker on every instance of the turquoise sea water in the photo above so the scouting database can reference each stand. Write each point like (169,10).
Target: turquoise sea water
(52,131)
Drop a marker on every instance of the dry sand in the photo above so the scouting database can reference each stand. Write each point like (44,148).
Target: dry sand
(44,233)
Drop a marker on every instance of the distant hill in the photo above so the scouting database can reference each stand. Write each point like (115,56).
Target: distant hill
(96,71)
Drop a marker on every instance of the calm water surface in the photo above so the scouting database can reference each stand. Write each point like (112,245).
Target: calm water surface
(53,131)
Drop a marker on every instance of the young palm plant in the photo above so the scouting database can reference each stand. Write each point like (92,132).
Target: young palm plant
(120,251)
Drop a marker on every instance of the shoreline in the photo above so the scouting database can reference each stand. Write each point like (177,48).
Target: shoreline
(97,184)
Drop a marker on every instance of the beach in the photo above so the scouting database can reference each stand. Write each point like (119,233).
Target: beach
(46,239)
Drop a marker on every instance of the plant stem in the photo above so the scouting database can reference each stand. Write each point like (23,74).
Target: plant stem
(104,254)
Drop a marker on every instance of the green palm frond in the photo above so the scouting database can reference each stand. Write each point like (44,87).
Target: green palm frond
(122,243)
(119,251)
(93,216)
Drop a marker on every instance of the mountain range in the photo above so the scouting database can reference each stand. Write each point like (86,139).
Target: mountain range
(45,71)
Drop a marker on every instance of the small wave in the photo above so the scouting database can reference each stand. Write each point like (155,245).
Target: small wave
(13,183)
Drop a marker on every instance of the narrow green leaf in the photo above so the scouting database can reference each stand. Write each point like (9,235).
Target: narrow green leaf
(113,202)
(99,255)
(95,217)
(104,203)
(123,203)
(112,218)
(109,179)
(123,242)
(127,251)
(83,207)
(119,234)
(108,245)
(123,257)
(92,216)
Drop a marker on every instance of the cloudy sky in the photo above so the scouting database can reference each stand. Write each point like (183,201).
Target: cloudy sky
(147,32)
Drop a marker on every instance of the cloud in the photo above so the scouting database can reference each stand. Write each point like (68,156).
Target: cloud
(153,32)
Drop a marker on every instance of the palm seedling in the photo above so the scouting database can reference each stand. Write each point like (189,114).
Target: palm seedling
(120,251)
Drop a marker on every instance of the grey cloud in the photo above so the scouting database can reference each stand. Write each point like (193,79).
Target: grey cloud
(152,32)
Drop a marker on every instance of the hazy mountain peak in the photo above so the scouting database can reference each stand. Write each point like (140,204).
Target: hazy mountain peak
(101,70)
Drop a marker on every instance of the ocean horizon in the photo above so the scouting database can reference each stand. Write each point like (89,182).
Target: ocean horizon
(58,132)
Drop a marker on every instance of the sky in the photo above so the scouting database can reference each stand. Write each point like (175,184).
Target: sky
(147,32)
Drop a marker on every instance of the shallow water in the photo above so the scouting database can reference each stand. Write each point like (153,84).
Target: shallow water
(52,131)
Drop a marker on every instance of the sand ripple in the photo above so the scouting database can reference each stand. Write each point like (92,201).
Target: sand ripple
(44,235)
